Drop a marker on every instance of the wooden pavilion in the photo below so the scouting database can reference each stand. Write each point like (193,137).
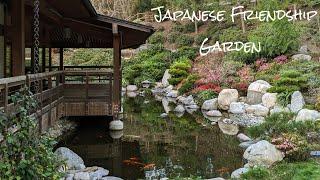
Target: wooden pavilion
(63,90)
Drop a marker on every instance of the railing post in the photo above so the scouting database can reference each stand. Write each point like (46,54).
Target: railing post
(6,96)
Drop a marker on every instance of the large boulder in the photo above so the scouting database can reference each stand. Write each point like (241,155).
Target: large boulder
(226,97)
(81,176)
(243,138)
(306,114)
(269,100)
(256,90)
(165,78)
(301,57)
(229,129)
(238,172)
(237,107)
(97,172)
(131,88)
(179,109)
(73,161)
(188,101)
(214,113)
(262,154)
(211,104)
(116,125)
(297,102)
(258,110)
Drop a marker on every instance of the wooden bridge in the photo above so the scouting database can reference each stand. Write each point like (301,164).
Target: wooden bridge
(63,90)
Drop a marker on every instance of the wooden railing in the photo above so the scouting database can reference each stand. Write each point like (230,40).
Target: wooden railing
(69,86)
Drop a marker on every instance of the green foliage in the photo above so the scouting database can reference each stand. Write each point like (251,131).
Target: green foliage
(25,154)
(317,106)
(188,84)
(276,124)
(90,57)
(179,70)
(184,40)
(256,173)
(232,35)
(147,65)
(200,38)
(289,82)
(286,171)
(185,51)
(173,36)
(157,38)
(202,96)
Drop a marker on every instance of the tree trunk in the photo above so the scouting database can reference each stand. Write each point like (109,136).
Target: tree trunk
(196,26)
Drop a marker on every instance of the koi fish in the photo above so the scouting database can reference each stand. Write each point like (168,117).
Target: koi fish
(148,166)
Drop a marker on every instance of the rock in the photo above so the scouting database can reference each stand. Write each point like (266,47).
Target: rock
(218,178)
(165,78)
(193,106)
(123,89)
(99,173)
(132,94)
(164,115)
(269,100)
(116,134)
(173,94)
(304,50)
(116,125)
(246,144)
(308,115)
(258,110)
(209,105)
(297,102)
(237,108)
(69,177)
(246,120)
(229,129)
(165,104)
(226,97)
(111,178)
(243,138)
(81,176)
(262,154)
(256,90)
(237,173)
(132,88)
(146,84)
(188,101)
(179,109)
(168,89)
(212,119)
(279,109)
(214,113)
(73,161)
(191,110)
(301,57)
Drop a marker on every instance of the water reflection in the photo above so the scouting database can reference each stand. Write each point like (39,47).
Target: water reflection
(153,147)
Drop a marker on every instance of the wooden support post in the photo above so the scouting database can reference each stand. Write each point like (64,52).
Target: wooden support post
(6,97)
(32,62)
(43,68)
(61,60)
(50,59)
(116,94)
(18,37)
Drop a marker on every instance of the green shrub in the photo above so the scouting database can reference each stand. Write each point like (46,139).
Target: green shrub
(185,51)
(26,154)
(200,38)
(157,38)
(232,35)
(90,57)
(184,40)
(189,27)
(179,70)
(202,96)
(173,36)
(317,106)
(188,84)
(256,173)
(289,82)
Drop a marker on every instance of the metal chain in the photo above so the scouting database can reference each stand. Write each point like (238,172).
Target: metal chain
(36,37)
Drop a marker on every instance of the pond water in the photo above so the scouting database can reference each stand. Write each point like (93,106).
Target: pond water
(149,145)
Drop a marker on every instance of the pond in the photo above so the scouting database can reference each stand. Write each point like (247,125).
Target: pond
(172,147)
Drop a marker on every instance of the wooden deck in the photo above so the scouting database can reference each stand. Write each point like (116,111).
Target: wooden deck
(63,93)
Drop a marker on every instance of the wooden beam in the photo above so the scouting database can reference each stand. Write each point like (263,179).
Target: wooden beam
(61,59)
(43,68)
(50,59)
(18,37)
(116,104)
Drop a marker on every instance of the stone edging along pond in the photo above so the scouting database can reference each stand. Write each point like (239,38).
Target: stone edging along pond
(241,111)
